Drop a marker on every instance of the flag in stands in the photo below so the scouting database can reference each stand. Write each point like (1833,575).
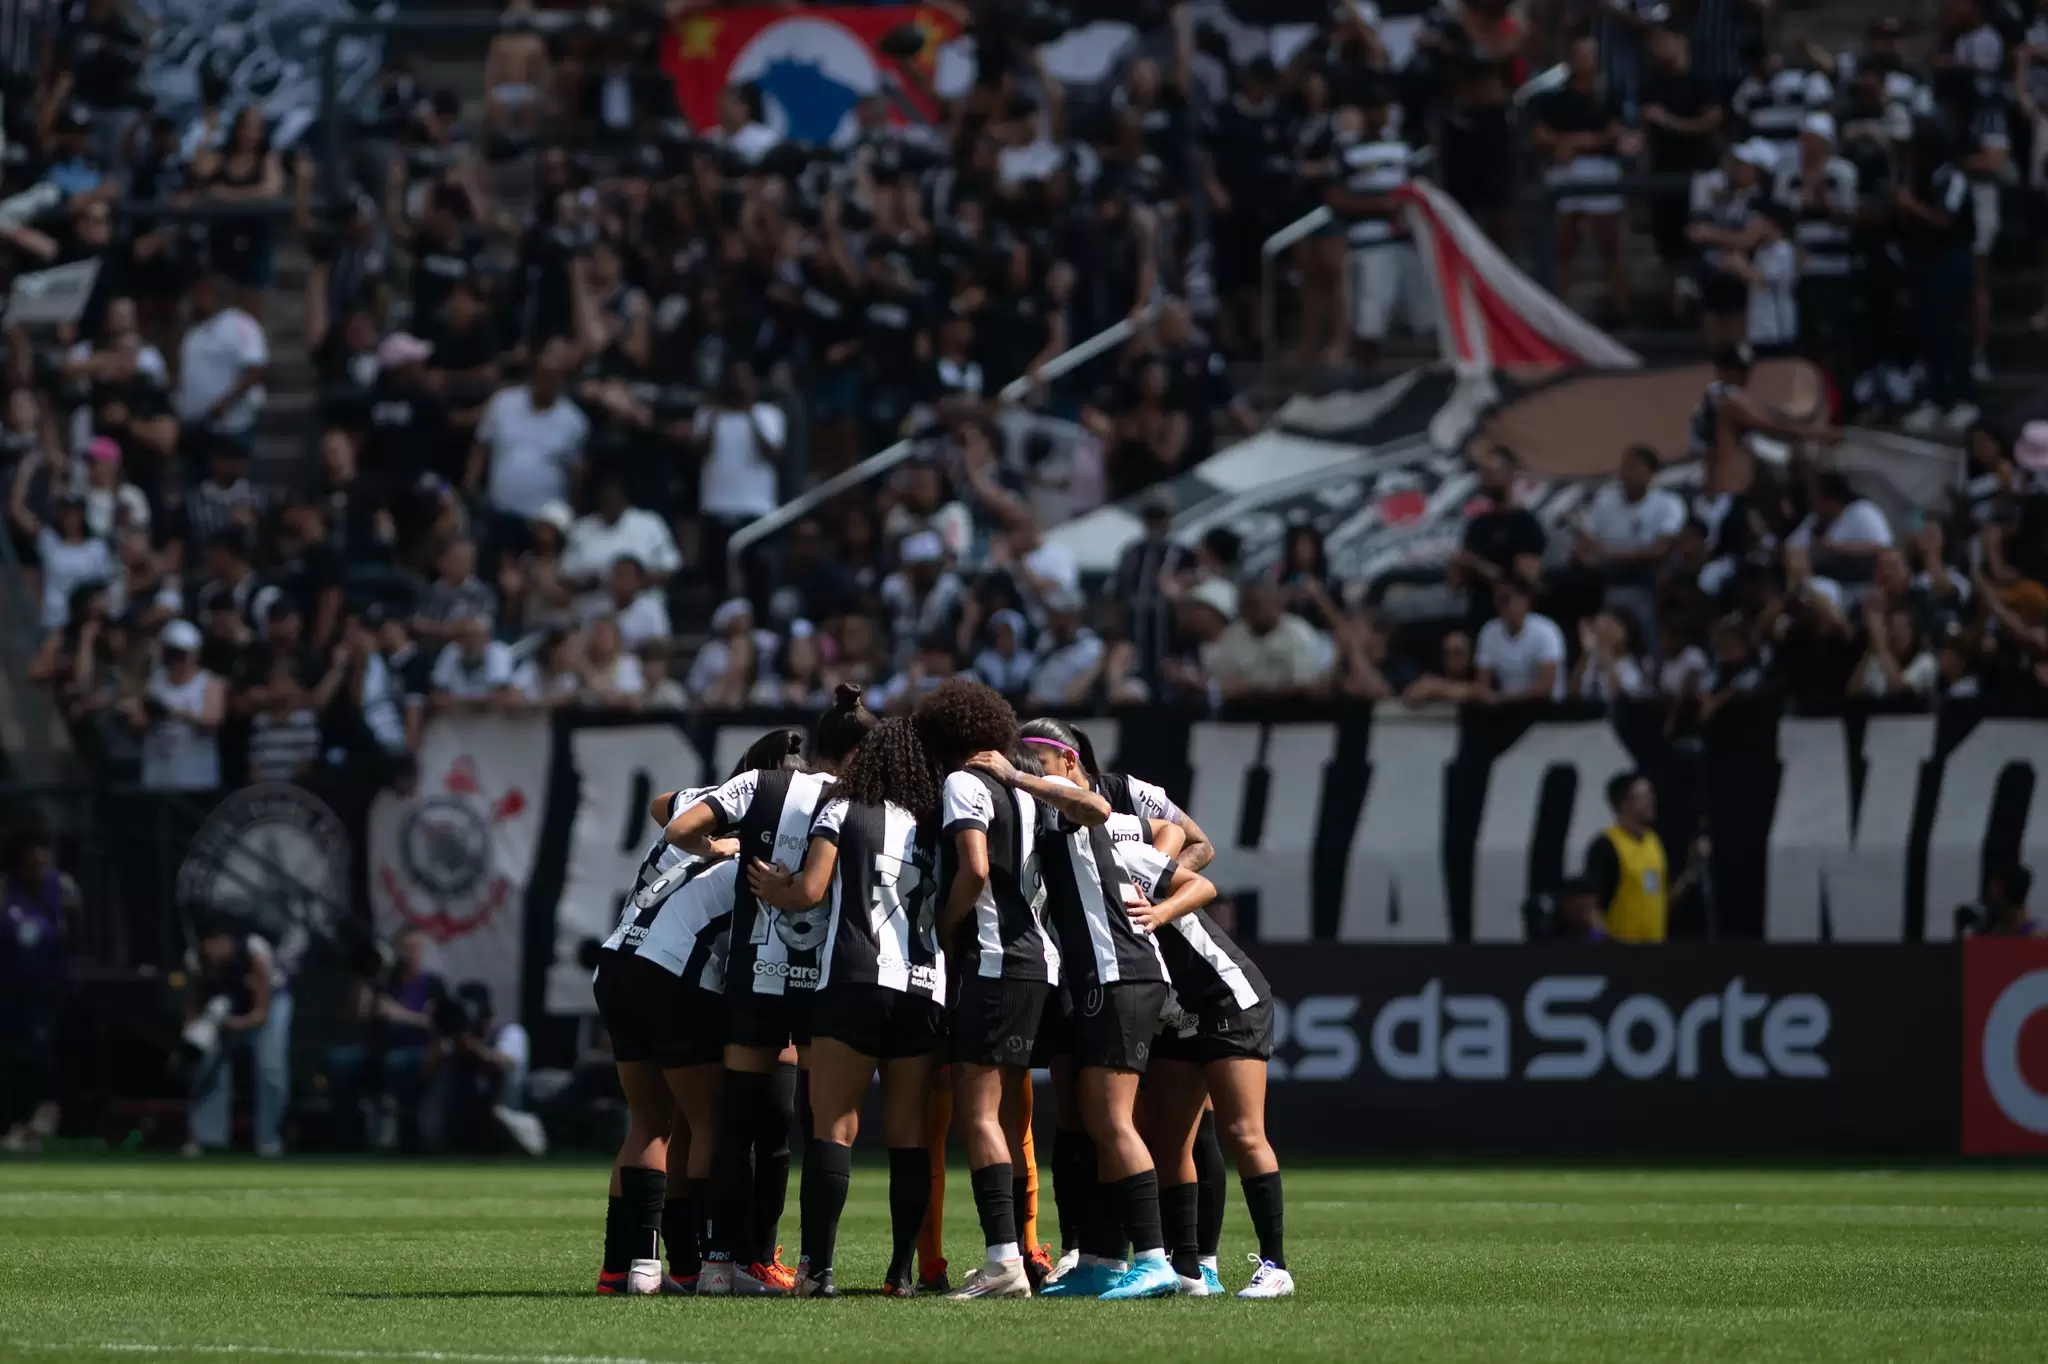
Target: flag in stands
(1493,315)
(811,65)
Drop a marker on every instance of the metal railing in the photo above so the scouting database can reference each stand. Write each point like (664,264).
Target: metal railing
(876,465)
(1301,229)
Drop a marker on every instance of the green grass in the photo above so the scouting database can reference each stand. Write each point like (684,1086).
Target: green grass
(494,1265)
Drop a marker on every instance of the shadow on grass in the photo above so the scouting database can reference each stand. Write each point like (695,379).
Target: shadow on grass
(463,1294)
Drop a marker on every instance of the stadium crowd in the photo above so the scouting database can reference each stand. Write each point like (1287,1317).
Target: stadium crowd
(556,383)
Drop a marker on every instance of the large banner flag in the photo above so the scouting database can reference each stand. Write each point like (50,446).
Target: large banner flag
(811,65)
(452,857)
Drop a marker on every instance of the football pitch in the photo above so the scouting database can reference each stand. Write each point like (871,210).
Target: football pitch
(494,1264)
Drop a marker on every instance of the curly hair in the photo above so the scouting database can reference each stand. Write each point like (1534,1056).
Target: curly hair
(961,718)
(890,767)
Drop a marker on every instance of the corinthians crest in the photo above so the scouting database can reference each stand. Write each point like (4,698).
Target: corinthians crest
(444,881)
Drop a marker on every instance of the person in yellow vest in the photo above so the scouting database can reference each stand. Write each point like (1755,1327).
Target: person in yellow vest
(1625,864)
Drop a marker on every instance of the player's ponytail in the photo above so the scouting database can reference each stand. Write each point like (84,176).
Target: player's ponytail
(778,749)
(1085,746)
(843,726)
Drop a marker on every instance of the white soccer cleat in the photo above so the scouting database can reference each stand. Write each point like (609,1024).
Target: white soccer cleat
(1268,1281)
(714,1279)
(1061,1266)
(1006,1279)
(643,1278)
(1197,1287)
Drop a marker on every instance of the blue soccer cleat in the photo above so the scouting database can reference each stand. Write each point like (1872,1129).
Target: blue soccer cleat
(1082,1281)
(1212,1280)
(1146,1279)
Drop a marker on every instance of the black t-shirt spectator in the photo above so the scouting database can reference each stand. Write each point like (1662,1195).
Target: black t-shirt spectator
(1502,535)
(1251,155)
(1683,95)
(1199,385)
(105,57)
(436,270)
(893,321)
(1570,110)
(406,434)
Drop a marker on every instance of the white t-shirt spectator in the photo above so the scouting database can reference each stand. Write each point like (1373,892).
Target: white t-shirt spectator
(624,676)
(456,676)
(1623,526)
(1516,660)
(65,566)
(538,687)
(594,546)
(645,618)
(1292,654)
(1063,667)
(531,451)
(1862,522)
(739,478)
(1773,302)
(211,360)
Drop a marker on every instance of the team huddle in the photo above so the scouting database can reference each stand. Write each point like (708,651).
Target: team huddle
(950,900)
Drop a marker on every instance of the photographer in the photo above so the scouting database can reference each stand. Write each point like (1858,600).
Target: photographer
(239,1000)
(2003,913)
(39,912)
(483,1088)
(396,1058)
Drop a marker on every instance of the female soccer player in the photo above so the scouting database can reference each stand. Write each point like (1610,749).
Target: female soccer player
(658,981)
(1217,1049)
(1119,989)
(1129,795)
(880,994)
(771,969)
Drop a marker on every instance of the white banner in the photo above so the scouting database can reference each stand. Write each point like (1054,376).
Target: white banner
(453,856)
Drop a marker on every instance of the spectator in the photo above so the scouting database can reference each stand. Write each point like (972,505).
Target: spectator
(472,671)
(553,675)
(1368,669)
(2005,915)
(1266,652)
(456,597)
(797,679)
(486,1078)
(1611,660)
(1071,657)
(617,530)
(1842,527)
(1578,917)
(634,604)
(1502,541)
(222,361)
(227,502)
(1520,655)
(1007,662)
(111,503)
(68,554)
(530,444)
(1937,226)
(1145,571)
(243,168)
(923,597)
(728,666)
(240,1001)
(393,1060)
(408,421)
(1148,439)
(1681,117)
(391,680)
(179,715)
(1630,525)
(1583,128)
(739,440)
(39,916)
(611,675)
(1896,661)
(1625,864)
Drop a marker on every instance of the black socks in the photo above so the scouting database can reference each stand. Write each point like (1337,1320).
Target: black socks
(1262,1197)
(996,1191)
(910,1193)
(1209,1175)
(1137,1199)
(641,1195)
(772,1119)
(732,1170)
(681,1221)
(827,1168)
(617,1258)
(1070,1177)
(1177,1204)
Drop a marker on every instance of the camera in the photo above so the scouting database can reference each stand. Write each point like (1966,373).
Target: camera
(201,1038)
(453,1015)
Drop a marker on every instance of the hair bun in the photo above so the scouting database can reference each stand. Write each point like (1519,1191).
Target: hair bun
(795,740)
(846,696)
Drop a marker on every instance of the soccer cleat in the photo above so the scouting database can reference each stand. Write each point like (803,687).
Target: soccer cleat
(1196,1287)
(1038,1267)
(932,1278)
(1146,1279)
(774,1272)
(714,1280)
(1005,1280)
(819,1285)
(1068,1259)
(1212,1281)
(644,1278)
(755,1281)
(904,1287)
(672,1287)
(610,1284)
(1082,1281)
(1268,1281)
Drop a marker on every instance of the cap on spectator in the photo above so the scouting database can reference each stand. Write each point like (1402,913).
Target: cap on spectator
(730,612)
(1216,594)
(1819,124)
(102,449)
(1757,152)
(923,547)
(1013,619)
(556,514)
(181,634)
(1063,601)
(401,349)
(2031,449)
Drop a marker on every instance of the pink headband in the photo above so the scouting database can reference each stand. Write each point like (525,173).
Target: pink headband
(1055,743)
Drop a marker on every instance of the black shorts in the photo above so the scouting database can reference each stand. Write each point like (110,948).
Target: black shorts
(995,1022)
(879,1022)
(1055,1030)
(1721,292)
(655,1016)
(1221,1035)
(1114,1025)
(772,1021)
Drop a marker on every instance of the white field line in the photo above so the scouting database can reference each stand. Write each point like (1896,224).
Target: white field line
(315,1352)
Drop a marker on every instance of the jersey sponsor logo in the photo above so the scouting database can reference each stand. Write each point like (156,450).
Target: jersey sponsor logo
(443,879)
(275,855)
(2005,1047)
(798,977)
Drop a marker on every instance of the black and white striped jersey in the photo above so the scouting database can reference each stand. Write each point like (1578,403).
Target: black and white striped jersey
(687,931)
(1824,239)
(662,872)
(1376,168)
(1087,873)
(771,952)
(882,913)
(1211,974)
(1129,795)
(1007,937)
(1773,106)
